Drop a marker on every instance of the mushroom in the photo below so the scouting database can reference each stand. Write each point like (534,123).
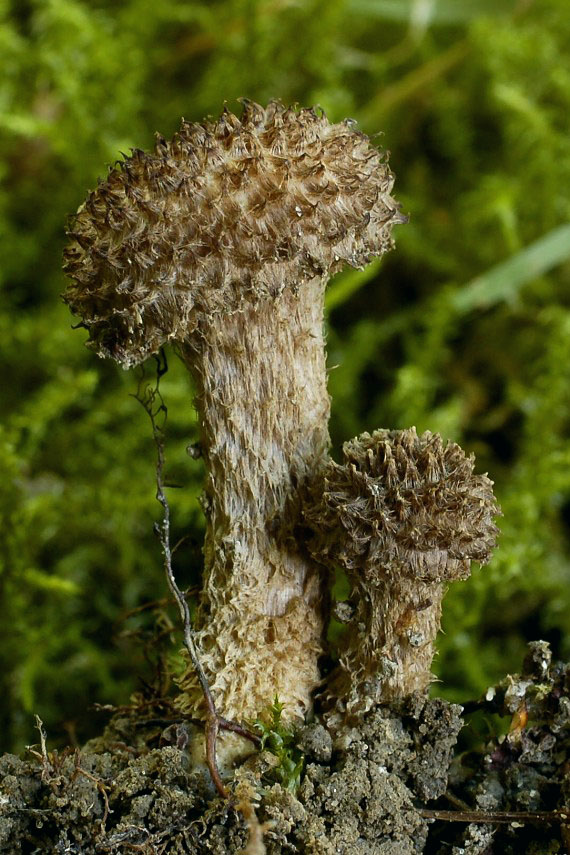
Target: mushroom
(222,241)
(404,515)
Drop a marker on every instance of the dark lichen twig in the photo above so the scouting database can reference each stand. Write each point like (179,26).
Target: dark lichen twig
(153,403)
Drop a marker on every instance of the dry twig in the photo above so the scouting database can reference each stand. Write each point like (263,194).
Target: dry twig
(151,400)
(497,817)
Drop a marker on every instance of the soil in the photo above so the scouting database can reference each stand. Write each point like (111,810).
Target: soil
(363,791)
(526,769)
(356,797)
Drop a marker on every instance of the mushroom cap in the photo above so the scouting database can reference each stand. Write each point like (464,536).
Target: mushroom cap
(402,503)
(229,211)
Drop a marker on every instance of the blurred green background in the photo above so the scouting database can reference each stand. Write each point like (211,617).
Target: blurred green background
(464,329)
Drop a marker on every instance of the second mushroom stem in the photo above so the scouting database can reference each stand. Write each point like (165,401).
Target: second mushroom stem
(263,409)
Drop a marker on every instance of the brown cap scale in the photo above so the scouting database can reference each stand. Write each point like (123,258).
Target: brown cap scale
(404,515)
(223,240)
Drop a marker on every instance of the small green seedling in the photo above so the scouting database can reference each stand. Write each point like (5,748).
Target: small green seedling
(278,738)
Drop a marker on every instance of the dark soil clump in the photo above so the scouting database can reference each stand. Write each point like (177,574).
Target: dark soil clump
(378,788)
(524,769)
(356,797)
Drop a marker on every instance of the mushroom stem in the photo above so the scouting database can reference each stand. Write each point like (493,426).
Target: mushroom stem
(390,644)
(264,408)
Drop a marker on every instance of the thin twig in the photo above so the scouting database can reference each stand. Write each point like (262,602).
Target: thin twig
(156,604)
(152,401)
(43,741)
(494,817)
(42,754)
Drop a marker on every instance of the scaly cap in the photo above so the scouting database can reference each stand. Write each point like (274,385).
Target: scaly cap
(229,211)
(402,503)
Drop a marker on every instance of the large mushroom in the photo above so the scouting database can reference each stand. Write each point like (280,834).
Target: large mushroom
(223,240)
(403,515)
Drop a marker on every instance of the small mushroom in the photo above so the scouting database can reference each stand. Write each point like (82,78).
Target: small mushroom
(404,515)
(222,240)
